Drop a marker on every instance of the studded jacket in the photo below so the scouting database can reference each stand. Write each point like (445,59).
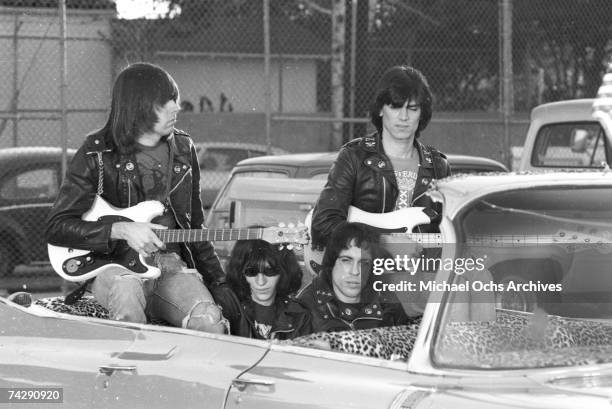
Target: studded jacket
(330,316)
(362,176)
(121,184)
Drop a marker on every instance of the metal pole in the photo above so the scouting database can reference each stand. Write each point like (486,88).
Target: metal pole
(352,73)
(267,82)
(63,85)
(508,77)
(15,102)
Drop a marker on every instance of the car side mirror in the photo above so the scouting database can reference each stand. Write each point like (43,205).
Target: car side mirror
(579,140)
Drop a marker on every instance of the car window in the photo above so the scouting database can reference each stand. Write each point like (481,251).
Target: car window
(543,250)
(33,184)
(567,145)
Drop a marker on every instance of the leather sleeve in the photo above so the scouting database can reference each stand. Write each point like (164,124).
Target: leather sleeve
(204,254)
(77,193)
(331,209)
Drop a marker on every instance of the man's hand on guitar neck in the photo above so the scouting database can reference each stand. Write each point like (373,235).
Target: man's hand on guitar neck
(139,236)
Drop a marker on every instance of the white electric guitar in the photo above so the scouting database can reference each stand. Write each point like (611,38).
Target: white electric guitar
(79,265)
(411,217)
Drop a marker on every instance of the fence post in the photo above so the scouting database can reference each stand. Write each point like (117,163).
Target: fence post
(508,87)
(63,85)
(337,71)
(267,82)
(353,64)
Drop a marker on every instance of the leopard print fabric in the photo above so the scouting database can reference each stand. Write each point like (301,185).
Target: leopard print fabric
(514,339)
(392,343)
(84,307)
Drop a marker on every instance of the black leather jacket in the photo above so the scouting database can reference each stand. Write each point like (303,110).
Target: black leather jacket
(292,319)
(362,176)
(327,315)
(121,188)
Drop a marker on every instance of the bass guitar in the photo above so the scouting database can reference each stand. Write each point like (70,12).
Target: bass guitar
(74,264)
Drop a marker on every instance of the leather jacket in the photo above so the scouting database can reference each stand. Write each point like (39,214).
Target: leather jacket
(291,320)
(362,176)
(121,188)
(328,315)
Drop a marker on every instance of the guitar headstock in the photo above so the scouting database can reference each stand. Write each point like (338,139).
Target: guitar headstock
(288,235)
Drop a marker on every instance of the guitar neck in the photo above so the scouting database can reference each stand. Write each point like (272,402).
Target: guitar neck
(195,235)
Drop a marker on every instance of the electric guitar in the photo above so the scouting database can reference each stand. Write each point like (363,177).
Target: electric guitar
(74,264)
(413,216)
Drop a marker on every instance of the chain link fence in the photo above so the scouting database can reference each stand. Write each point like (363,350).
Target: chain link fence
(323,60)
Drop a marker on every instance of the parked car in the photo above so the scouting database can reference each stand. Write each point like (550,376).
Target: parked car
(563,135)
(29,182)
(464,352)
(217,160)
(300,166)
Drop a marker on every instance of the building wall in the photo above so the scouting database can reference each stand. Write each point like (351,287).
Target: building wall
(37,61)
(242,83)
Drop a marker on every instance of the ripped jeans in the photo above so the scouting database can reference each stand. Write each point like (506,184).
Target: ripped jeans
(179,298)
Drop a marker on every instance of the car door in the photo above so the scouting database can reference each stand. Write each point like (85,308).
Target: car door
(50,352)
(180,369)
(107,364)
(295,377)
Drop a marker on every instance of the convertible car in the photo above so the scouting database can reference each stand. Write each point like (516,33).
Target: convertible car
(518,315)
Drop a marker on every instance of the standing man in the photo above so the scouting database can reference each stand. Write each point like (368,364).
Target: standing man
(138,156)
(390,169)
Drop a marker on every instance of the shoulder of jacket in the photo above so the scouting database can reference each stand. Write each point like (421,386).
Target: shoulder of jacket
(96,143)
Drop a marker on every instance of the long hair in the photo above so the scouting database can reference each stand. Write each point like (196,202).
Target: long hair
(255,254)
(138,90)
(347,235)
(398,85)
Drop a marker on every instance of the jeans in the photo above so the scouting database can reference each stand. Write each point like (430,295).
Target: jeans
(179,298)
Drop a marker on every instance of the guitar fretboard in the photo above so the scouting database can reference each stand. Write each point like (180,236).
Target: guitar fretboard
(194,235)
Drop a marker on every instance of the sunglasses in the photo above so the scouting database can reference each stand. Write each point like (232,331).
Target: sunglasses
(254,271)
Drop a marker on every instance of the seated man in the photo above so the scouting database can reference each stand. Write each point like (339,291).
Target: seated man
(342,296)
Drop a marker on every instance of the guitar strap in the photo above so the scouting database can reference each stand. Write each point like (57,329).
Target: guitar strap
(78,292)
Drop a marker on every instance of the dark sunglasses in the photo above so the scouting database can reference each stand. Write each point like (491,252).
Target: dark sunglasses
(268,272)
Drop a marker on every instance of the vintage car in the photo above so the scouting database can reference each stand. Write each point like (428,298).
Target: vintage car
(29,182)
(547,235)
(217,159)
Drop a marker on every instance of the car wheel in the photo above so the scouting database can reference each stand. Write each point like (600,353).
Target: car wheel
(7,260)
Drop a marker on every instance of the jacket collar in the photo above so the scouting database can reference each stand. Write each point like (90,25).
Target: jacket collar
(377,158)
(327,301)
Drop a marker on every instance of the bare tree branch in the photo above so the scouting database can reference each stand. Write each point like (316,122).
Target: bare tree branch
(400,4)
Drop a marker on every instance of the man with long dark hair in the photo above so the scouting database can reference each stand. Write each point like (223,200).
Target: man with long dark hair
(138,155)
(390,169)
(342,296)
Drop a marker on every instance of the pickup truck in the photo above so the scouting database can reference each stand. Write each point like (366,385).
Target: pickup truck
(565,135)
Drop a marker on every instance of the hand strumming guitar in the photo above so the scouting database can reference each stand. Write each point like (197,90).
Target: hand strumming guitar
(139,236)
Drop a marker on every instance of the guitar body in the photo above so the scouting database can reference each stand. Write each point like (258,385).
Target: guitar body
(74,264)
(79,265)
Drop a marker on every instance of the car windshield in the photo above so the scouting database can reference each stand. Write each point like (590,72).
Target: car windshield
(530,285)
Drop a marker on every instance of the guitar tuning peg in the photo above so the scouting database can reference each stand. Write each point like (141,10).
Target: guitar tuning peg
(289,246)
(291,225)
(281,224)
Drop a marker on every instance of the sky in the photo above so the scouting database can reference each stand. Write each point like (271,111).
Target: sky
(130,9)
